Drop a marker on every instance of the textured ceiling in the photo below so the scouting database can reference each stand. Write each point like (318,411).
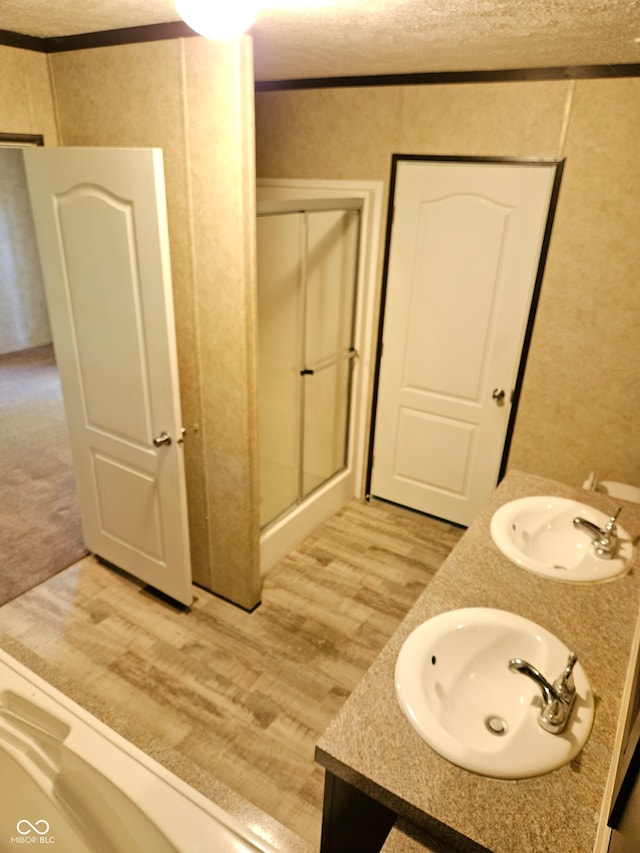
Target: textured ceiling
(364,37)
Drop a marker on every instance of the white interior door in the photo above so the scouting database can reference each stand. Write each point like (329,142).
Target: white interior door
(465,249)
(101,225)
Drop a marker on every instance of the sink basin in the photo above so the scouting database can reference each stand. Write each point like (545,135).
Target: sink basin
(537,534)
(454,685)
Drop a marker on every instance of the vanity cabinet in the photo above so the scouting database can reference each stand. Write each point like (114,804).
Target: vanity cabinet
(378,767)
(625,837)
(624,818)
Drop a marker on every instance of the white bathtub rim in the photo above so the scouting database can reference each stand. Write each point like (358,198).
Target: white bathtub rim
(91,732)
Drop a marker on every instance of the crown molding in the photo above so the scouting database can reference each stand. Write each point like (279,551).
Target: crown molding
(178,29)
(500,75)
(105,38)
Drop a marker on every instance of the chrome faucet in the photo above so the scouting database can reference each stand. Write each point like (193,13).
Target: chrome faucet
(557,698)
(605,542)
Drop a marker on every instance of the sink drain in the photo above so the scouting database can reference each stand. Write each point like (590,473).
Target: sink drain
(497,726)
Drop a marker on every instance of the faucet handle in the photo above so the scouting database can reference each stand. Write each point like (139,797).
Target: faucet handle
(611,524)
(563,685)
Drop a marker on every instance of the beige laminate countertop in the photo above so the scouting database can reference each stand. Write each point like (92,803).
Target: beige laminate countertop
(371,744)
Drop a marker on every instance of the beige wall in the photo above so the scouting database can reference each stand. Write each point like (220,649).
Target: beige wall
(580,405)
(193,99)
(26,96)
(24,321)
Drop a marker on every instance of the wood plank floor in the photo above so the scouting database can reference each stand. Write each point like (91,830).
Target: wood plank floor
(244,697)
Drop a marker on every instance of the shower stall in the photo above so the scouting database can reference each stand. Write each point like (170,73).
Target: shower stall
(307,252)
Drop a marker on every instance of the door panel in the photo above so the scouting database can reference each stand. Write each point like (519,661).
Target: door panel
(106,316)
(449,322)
(464,254)
(101,225)
(280,243)
(326,413)
(136,521)
(445,445)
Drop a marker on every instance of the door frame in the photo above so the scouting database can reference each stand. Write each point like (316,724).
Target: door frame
(396,159)
(20,140)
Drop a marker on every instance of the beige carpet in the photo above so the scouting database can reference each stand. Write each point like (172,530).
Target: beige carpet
(40,532)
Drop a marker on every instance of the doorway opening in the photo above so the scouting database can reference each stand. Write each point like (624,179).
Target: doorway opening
(40,528)
(101,227)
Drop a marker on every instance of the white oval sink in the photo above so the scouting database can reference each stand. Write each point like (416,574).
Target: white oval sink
(454,684)
(537,534)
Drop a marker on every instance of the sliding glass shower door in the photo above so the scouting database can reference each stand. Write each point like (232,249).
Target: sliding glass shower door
(307,273)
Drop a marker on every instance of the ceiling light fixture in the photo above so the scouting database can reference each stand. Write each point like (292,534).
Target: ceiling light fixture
(220,20)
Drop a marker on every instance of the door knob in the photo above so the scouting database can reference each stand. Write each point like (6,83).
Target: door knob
(498,395)
(161,439)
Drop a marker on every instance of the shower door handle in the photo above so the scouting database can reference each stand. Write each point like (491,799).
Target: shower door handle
(351,355)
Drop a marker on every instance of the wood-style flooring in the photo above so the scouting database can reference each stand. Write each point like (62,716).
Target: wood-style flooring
(242,696)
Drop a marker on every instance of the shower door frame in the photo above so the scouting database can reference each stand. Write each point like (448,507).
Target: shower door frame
(308,208)
(280,537)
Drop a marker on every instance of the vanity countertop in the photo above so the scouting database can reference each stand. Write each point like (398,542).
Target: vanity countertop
(372,746)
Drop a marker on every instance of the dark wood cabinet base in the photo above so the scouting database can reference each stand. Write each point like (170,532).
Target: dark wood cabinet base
(352,822)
